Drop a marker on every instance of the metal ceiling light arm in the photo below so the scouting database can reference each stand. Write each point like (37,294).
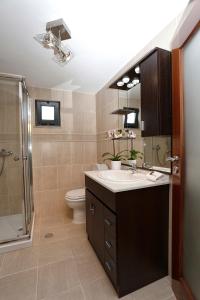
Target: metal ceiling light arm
(56,31)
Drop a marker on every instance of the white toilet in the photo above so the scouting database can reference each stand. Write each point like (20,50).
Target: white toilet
(75,199)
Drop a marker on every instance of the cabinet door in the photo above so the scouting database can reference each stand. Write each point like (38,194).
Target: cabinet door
(149,95)
(95,223)
(89,215)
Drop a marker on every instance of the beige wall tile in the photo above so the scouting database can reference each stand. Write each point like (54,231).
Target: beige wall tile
(49,154)
(50,203)
(77,152)
(64,154)
(37,179)
(64,176)
(60,155)
(77,179)
(49,178)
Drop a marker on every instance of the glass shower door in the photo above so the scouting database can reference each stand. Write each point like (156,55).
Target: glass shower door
(13,225)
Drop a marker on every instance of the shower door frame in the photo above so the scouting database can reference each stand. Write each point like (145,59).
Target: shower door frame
(180,285)
(25,155)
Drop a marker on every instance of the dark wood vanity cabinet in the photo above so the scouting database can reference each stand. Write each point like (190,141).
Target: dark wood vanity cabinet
(129,233)
(94,225)
(155,76)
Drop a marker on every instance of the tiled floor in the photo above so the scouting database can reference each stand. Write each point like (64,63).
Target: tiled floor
(63,267)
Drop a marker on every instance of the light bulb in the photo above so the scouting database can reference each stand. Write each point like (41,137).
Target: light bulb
(135,81)
(125,79)
(120,83)
(137,70)
(130,85)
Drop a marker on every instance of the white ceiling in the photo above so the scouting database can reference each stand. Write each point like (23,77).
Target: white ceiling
(106,35)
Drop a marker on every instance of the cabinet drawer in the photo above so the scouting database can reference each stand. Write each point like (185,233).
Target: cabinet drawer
(110,245)
(110,268)
(109,222)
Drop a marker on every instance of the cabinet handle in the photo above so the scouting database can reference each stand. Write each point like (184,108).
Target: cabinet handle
(108,244)
(92,209)
(108,266)
(142,125)
(108,222)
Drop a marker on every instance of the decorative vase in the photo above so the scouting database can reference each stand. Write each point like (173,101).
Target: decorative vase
(115,164)
(132,162)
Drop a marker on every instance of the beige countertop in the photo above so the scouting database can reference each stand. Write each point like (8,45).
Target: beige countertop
(117,187)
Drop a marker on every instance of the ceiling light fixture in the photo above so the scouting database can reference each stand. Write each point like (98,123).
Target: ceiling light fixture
(56,32)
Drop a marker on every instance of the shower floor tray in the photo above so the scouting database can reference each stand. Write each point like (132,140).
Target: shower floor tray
(11,227)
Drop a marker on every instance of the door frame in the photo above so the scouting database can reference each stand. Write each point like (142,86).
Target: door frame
(179,284)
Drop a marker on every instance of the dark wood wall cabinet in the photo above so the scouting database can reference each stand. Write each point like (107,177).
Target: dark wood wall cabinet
(155,76)
(129,233)
(155,79)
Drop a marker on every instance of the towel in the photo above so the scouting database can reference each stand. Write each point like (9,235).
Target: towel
(154,176)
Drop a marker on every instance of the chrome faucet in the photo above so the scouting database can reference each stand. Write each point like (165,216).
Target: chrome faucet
(146,165)
(133,168)
(4,153)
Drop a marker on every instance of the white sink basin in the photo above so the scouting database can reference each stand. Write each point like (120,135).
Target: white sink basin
(122,176)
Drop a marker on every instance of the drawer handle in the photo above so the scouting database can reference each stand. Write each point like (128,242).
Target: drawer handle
(108,244)
(92,209)
(108,222)
(108,266)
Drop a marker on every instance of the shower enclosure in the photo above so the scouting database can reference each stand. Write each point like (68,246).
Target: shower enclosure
(16,203)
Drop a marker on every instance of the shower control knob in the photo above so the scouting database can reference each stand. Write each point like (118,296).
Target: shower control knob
(16,158)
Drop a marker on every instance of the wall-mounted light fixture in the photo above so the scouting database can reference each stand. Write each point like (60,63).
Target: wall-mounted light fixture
(120,83)
(56,32)
(125,79)
(137,70)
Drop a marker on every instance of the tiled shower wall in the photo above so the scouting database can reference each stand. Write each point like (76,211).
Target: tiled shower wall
(11,185)
(61,154)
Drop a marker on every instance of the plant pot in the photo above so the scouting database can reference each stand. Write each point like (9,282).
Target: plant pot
(132,162)
(116,165)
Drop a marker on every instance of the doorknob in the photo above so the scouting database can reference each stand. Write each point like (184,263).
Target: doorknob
(175,170)
(173,158)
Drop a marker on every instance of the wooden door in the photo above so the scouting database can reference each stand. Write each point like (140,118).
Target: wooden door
(186,168)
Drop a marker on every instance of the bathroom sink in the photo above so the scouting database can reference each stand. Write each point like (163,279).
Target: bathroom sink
(122,176)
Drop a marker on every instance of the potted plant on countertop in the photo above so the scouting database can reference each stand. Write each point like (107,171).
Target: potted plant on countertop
(133,156)
(115,159)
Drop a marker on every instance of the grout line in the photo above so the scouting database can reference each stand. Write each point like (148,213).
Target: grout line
(83,291)
(2,263)
(57,261)
(37,276)
(18,272)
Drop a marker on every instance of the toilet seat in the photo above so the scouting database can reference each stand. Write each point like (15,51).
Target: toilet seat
(78,194)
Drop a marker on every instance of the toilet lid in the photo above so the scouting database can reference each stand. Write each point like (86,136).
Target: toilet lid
(76,194)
